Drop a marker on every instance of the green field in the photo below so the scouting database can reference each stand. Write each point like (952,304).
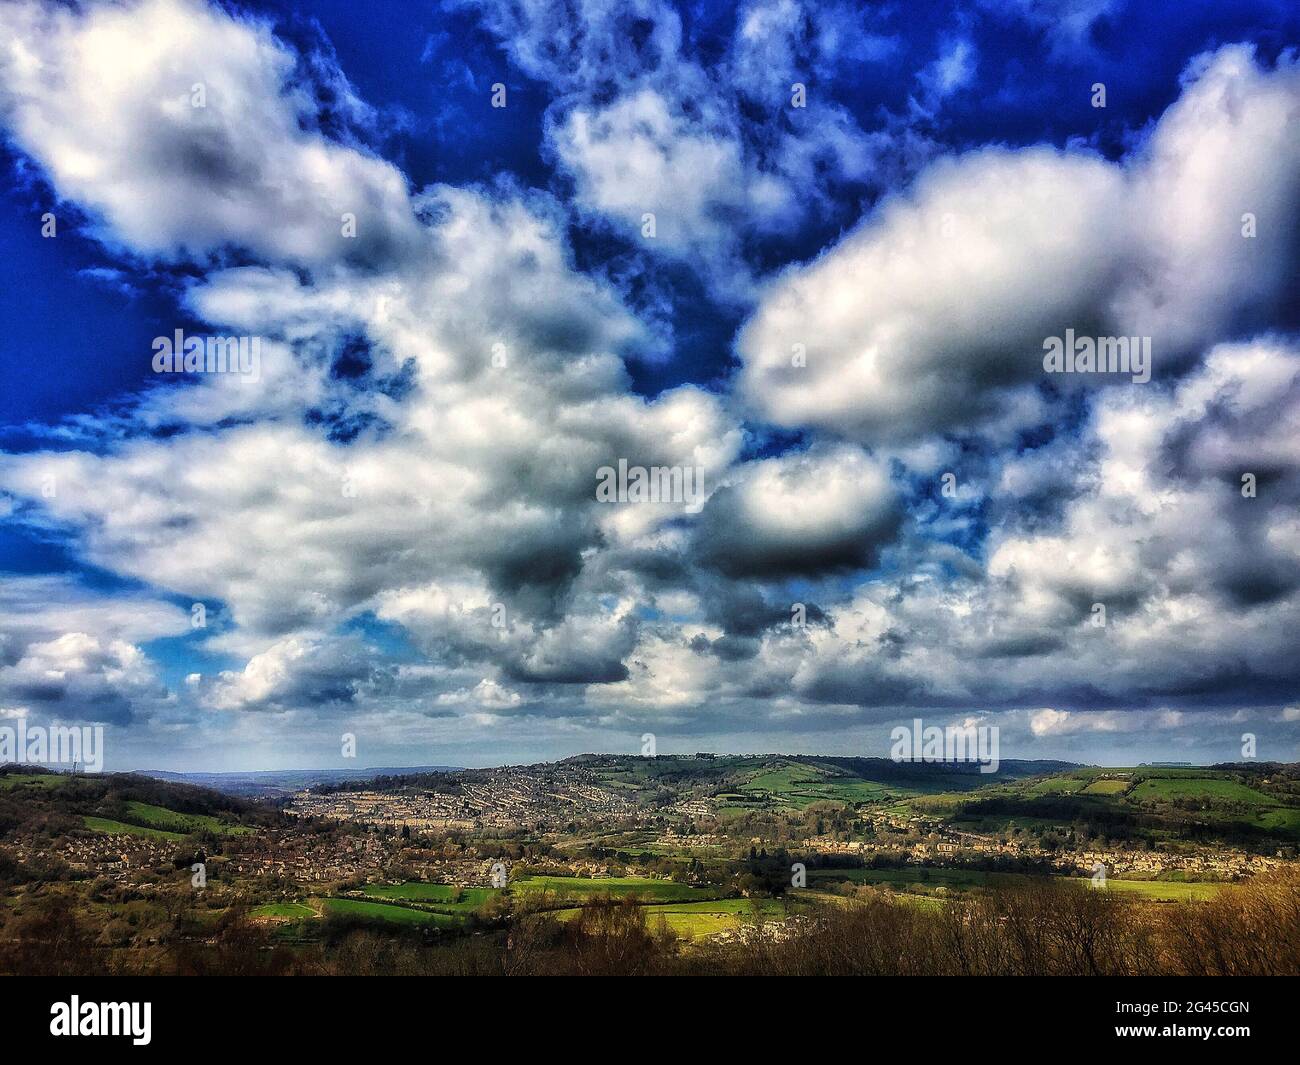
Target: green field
(1285,820)
(1171,798)
(693,920)
(451,899)
(922,876)
(743,784)
(295,910)
(443,897)
(689,911)
(1201,788)
(1066,784)
(142,813)
(799,785)
(925,879)
(1166,890)
(648,889)
(380,911)
(1106,787)
(35,780)
(119,828)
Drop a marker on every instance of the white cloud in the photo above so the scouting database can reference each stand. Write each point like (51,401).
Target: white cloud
(1043,723)
(919,319)
(641,126)
(82,676)
(951,72)
(103,100)
(442,485)
(929,313)
(829,508)
(635,156)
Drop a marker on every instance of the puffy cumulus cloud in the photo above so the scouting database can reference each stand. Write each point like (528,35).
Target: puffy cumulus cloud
(1224,159)
(635,157)
(930,314)
(419,460)
(68,653)
(495,291)
(1047,721)
(291,530)
(485,695)
(42,607)
(916,321)
(1158,541)
(669,684)
(824,510)
(1198,582)
(462,626)
(1050,722)
(460,451)
(583,650)
(104,98)
(81,675)
(301,671)
(485,468)
(643,126)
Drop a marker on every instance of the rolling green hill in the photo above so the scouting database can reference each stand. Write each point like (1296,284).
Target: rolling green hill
(1246,804)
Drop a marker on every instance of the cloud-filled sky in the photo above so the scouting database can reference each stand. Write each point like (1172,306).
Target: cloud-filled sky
(809,252)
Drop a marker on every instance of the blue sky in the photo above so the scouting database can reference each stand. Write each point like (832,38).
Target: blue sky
(391,528)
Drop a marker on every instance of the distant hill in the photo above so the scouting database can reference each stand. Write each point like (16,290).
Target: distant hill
(267,784)
(921,776)
(33,798)
(728,782)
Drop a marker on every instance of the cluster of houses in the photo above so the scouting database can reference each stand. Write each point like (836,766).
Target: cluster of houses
(110,855)
(673,840)
(303,859)
(1145,865)
(504,798)
(944,845)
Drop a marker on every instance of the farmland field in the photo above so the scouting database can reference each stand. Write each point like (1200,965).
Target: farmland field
(693,920)
(649,889)
(1062,785)
(36,780)
(293,910)
(923,875)
(141,813)
(1280,819)
(1200,788)
(380,911)
(925,879)
(799,784)
(445,898)
(119,828)
(1166,890)
(1106,787)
